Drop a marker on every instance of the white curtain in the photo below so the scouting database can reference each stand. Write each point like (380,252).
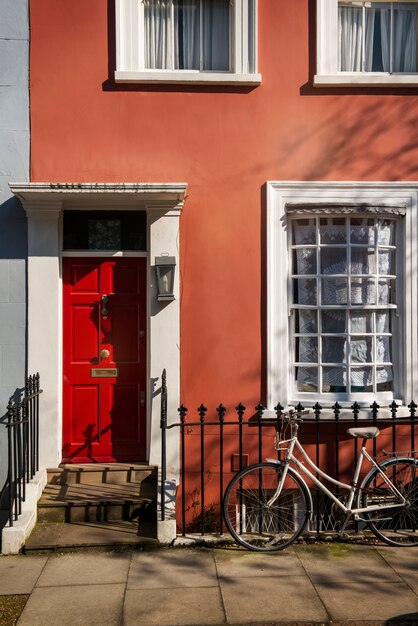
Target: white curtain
(355,346)
(377,38)
(157,21)
(405,38)
(201,34)
(350,38)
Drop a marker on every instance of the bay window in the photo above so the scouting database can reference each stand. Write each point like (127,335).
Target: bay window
(342,293)
(201,41)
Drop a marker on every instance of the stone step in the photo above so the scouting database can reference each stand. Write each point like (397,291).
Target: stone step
(99,502)
(109,473)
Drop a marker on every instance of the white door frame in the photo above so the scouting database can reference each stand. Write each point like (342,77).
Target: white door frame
(44,204)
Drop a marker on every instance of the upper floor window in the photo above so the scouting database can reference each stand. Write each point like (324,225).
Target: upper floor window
(373,43)
(203,41)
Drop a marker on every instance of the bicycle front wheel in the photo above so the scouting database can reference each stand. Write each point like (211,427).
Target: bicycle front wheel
(397,526)
(254,519)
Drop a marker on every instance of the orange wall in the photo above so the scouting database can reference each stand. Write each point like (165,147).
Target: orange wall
(225,142)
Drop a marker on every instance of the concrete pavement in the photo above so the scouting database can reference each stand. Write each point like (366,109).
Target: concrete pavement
(319,583)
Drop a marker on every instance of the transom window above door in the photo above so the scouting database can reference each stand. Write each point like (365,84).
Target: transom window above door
(203,41)
(105,230)
(362,42)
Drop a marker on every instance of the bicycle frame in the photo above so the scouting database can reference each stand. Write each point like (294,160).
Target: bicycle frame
(353,489)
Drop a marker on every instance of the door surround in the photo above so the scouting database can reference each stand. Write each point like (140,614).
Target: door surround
(44,204)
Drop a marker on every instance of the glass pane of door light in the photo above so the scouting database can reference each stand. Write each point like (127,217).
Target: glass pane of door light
(304,261)
(304,232)
(333,291)
(362,231)
(361,350)
(104,234)
(334,380)
(333,321)
(334,349)
(306,321)
(333,230)
(305,291)
(333,260)
(363,291)
(307,349)
(361,322)
(307,379)
(363,261)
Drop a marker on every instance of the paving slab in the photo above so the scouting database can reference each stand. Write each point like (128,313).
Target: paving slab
(355,601)
(235,563)
(405,563)
(172,568)
(85,569)
(173,607)
(74,606)
(345,562)
(18,574)
(271,599)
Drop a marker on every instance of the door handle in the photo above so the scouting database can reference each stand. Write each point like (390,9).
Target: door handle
(104,354)
(104,310)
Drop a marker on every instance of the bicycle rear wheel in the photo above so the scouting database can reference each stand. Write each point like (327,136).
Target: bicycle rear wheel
(256,524)
(397,526)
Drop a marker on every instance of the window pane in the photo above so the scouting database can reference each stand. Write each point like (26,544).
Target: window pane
(334,380)
(386,291)
(306,321)
(384,378)
(383,322)
(187,34)
(333,349)
(377,38)
(386,262)
(307,349)
(157,51)
(404,37)
(307,378)
(363,261)
(304,232)
(334,291)
(361,322)
(305,291)
(362,230)
(361,350)
(383,350)
(305,261)
(363,291)
(216,35)
(350,38)
(333,321)
(361,379)
(386,233)
(333,230)
(333,260)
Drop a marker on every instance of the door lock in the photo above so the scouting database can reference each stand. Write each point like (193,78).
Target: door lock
(104,354)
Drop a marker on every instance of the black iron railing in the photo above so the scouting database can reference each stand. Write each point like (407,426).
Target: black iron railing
(213,449)
(22,424)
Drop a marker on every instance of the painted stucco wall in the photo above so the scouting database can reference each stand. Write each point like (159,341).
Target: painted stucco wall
(14,165)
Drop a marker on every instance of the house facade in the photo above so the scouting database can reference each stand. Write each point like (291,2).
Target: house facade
(266,150)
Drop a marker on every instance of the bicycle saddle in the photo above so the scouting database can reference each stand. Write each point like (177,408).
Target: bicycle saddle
(369,432)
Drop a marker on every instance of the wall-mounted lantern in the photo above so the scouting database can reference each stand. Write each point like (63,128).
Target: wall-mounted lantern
(165,266)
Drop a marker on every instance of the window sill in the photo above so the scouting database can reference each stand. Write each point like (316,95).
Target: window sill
(184,78)
(347,79)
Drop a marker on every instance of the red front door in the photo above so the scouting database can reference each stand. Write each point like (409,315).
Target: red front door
(104,359)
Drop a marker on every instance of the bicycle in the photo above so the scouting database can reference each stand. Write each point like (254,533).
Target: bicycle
(268,505)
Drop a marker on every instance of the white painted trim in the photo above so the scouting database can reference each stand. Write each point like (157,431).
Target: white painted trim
(130,54)
(44,204)
(281,193)
(346,79)
(185,77)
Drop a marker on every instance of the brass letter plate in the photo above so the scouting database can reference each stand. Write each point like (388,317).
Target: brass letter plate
(101,372)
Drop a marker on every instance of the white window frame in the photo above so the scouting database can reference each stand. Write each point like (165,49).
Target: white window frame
(130,61)
(320,198)
(327,73)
